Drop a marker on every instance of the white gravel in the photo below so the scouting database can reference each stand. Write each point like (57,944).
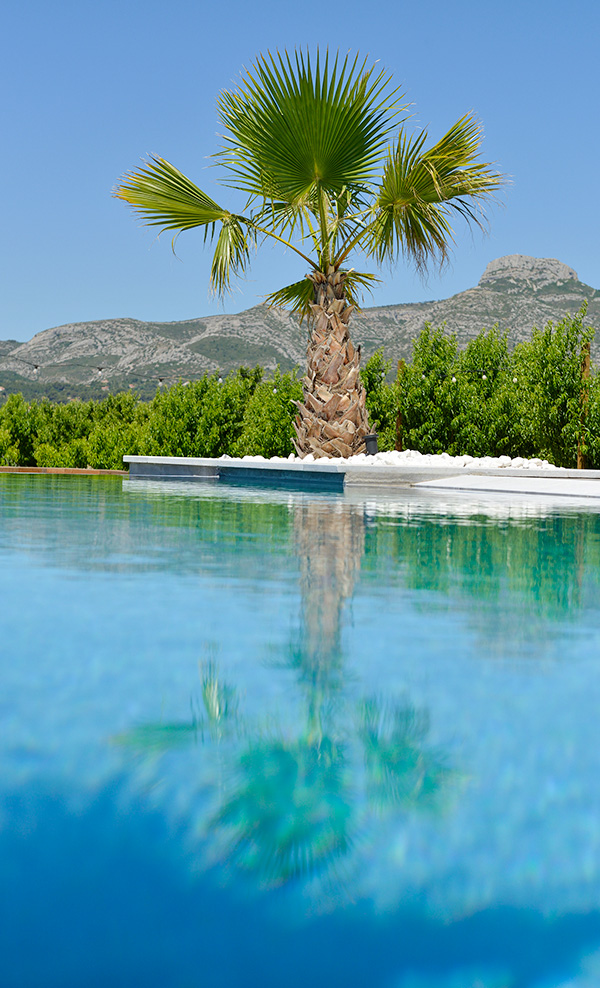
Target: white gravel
(411,457)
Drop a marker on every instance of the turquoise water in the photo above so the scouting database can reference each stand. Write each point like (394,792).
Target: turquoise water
(274,739)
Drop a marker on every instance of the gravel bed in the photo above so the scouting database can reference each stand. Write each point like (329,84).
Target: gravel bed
(411,457)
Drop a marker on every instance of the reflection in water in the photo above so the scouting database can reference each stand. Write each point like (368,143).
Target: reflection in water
(215,722)
(538,563)
(401,770)
(282,775)
(536,558)
(330,543)
(291,806)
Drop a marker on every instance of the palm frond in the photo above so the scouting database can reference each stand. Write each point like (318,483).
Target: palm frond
(420,190)
(293,126)
(402,769)
(307,140)
(296,298)
(231,256)
(356,283)
(292,219)
(162,196)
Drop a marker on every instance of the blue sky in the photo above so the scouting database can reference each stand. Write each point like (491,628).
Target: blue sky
(90,88)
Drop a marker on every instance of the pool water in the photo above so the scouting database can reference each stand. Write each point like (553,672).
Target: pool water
(258,738)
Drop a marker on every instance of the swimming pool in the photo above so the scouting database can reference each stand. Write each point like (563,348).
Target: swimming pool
(278,739)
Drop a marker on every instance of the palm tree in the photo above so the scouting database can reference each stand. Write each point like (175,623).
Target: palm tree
(318,148)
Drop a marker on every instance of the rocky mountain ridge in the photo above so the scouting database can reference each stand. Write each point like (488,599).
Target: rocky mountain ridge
(536,271)
(516,292)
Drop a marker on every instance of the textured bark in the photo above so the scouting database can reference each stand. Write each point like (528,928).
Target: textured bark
(332,419)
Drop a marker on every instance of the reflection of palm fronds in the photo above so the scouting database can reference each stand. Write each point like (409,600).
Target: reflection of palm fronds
(221,714)
(289,812)
(286,807)
(220,701)
(401,771)
(159,737)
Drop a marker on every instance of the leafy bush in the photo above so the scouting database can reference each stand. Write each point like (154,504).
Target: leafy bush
(425,394)
(550,369)
(60,424)
(108,444)
(71,454)
(203,418)
(380,399)
(486,401)
(486,422)
(120,427)
(591,430)
(268,423)
(19,423)
(9,453)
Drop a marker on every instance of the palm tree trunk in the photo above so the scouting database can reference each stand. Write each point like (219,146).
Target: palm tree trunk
(332,419)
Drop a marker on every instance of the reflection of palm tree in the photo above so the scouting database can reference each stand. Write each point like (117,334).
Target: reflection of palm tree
(289,809)
(220,715)
(401,771)
(286,808)
(330,542)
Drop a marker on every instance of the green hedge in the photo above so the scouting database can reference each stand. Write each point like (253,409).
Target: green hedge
(484,400)
(241,414)
(488,401)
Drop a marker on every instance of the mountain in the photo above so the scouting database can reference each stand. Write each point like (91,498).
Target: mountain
(89,359)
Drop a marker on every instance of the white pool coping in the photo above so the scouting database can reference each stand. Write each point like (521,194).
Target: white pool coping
(341,474)
(557,486)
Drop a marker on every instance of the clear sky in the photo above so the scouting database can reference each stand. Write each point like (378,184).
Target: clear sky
(89,88)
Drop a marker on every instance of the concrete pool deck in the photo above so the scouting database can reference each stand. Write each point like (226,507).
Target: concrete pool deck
(444,473)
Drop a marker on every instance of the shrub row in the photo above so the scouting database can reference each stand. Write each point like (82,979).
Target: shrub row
(488,401)
(243,414)
(483,400)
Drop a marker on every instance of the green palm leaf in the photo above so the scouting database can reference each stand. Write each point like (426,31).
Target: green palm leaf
(288,814)
(297,297)
(421,189)
(162,196)
(357,283)
(316,147)
(293,127)
(157,738)
(231,256)
(402,770)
